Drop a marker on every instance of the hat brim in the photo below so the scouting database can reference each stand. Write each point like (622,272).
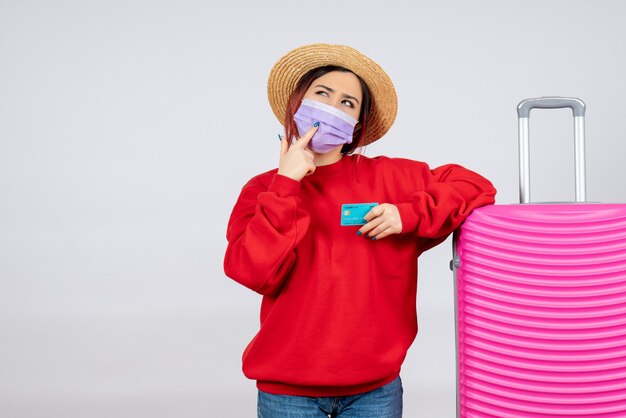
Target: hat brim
(289,69)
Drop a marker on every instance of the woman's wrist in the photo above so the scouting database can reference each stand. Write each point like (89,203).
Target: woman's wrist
(290,175)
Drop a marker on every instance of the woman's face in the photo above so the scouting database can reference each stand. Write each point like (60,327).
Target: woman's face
(339,89)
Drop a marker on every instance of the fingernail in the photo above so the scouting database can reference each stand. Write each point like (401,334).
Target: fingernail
(359,232)
(316,124)
(373,238)
(279,138)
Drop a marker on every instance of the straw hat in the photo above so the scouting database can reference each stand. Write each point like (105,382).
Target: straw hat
(290,68)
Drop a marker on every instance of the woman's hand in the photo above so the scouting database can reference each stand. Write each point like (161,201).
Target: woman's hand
(382,220)
(296,161)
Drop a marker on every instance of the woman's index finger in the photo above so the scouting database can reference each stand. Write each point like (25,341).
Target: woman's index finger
(304,139)
(373,213)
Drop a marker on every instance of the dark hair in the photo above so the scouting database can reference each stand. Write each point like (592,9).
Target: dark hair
(298,93)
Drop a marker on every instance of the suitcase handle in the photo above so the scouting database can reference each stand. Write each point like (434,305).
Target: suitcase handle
(523,113)
(577,105)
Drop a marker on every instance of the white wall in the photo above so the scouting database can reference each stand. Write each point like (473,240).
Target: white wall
(127,129)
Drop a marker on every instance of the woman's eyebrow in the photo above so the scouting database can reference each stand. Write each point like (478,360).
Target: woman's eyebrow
(332,91)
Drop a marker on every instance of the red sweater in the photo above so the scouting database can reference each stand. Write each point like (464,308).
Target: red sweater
(339,310)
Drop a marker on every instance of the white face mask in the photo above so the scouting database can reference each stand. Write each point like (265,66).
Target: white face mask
(335,127)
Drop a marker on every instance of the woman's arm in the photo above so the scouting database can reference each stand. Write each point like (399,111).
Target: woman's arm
(265,226)
(447,196)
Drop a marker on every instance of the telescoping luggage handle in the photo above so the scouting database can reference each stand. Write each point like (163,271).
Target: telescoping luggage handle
(523,113)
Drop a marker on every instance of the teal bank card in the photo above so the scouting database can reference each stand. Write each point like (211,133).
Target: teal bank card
(354,213)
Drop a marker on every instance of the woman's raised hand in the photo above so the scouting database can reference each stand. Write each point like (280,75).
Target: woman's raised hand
(296,160)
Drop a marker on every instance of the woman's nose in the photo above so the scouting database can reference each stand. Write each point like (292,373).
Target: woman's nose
(336,103)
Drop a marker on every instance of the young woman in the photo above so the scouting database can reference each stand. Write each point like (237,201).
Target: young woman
(339,296)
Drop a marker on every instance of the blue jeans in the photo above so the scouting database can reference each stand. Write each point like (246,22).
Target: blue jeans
(384,402)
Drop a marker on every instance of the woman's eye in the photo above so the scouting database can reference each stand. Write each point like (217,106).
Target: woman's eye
(348,103)
(322,93)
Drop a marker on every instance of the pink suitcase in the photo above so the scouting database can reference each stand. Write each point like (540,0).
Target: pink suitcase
(541,301)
